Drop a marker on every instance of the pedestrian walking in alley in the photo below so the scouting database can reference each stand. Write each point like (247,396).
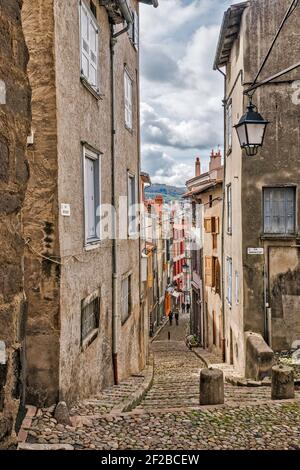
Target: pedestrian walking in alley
(171,317)
(177,317)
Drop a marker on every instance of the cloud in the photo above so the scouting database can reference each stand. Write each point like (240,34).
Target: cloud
(182,96)
(163,168)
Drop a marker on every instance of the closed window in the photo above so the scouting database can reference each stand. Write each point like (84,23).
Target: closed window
(133,31)
(237,288)
(128,100)
(91,195)
(126,301)
(229,208)
(229,280)
(279,210)
(229,127)
(90,313)
(89,46)
(132,201)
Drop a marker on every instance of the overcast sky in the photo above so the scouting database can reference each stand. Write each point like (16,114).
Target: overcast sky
(181,99)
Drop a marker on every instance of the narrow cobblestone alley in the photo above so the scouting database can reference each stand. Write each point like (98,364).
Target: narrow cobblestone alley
(169,416)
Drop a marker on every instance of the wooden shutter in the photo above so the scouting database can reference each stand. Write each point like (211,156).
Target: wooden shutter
(136,30)
(208,224)
(209,271)
(217,225)
(290,210)
(93,53)
(90,198)
(217,276)
(85,48)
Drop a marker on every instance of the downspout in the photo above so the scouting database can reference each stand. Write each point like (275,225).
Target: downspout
(115,316)
(223,224)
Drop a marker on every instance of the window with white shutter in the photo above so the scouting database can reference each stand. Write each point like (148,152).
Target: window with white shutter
(132,213)
(89,46)
(136,30)
(229,127)
(229,280)
(128,100)
(229,208)
(91,196)
(279,210)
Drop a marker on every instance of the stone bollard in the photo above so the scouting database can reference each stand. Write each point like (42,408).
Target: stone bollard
(282,383)
(211,387)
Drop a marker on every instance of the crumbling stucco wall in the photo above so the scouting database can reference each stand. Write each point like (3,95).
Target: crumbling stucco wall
(14,128)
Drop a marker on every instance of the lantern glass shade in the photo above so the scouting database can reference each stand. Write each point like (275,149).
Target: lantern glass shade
(251,130)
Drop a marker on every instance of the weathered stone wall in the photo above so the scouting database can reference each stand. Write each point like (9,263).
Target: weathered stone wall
(278,161)
(14,128)
(40,214)
(131,357)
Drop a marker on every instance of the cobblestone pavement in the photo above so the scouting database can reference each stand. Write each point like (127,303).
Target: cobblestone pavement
(169,416)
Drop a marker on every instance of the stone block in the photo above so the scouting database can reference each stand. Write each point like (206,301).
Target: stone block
(61,414)
(211,387)
(283,386)
(259,357)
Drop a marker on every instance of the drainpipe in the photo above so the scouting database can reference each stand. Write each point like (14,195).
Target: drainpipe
(223,224)
(115,316)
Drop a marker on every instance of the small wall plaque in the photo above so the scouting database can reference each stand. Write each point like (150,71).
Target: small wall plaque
(65,210)
(255,251)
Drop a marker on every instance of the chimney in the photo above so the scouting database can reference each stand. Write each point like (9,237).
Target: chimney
(197,167)
(215,160)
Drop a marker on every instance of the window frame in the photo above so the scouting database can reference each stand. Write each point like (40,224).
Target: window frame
(92,154)
(131,177)
(229,280)
(126,277)
(95,88)
(93,333)
(237,287)
(229,208)
(229,127)
(128,79)
(286,233)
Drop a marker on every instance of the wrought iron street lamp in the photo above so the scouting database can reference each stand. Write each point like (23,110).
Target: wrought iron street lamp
(251,130)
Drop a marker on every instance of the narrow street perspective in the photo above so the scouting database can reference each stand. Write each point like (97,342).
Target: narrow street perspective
(168,415)
(149,227)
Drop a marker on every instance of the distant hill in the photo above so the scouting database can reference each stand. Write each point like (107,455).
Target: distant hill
(169,193)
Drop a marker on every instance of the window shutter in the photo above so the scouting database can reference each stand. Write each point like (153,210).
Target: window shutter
(85,49)
(208,271)
(208,224)
(93,53)
(217,276)
(290,210)
(136,30)
(267,210)
(217,225)
(90,197)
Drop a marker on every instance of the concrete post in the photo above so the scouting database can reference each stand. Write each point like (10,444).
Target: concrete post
(211,387)
(282,383)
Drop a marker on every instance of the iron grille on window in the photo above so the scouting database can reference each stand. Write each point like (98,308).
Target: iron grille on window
(89,317)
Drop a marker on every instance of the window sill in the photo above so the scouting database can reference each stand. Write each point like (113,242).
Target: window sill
(279,236)
(92,246)
(95,93)
(128,129)
(229,233)
(123,323)
(89,340)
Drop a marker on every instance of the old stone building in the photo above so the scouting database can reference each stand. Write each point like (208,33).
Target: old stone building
(82,271)
(205,190)
(261,226)
(14,128)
